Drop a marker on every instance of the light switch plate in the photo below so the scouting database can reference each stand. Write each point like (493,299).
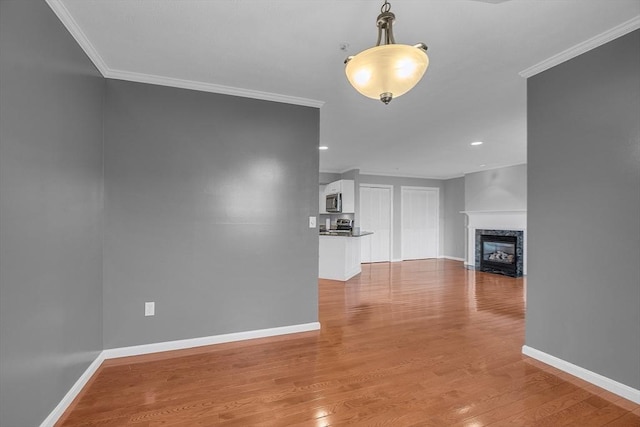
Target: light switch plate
(150,308)
(312,222)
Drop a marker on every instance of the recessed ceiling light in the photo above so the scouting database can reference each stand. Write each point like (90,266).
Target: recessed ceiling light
(482,165)
(476,143)
(323,147)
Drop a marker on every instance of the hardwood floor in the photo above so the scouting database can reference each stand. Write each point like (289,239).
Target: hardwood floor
(417,343)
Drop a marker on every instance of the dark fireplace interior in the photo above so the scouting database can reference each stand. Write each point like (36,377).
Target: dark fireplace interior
(498,254)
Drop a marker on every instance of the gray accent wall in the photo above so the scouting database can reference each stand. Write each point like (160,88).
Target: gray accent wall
(496,189)
(454,224)
(207,199)
(51,212)
(583,291)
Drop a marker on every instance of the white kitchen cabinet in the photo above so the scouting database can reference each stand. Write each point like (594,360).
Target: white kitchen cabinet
(347,188)
(339,257)
(333,187)
(348,196)
(322,199)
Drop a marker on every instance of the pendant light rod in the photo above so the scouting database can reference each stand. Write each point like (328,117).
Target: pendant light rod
(385,24)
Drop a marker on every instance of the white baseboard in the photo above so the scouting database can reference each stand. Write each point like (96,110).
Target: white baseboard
(608,384)
(453,258)
(438,257)
(470,266)
(138,350)
(58,411)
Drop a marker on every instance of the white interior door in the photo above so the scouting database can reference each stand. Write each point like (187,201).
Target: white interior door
(376,215)
(419,222)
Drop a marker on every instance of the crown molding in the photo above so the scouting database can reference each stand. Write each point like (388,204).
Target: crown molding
(72,26)
(211,87)
(390,174)
(494,167)
(407,175)
(602,38)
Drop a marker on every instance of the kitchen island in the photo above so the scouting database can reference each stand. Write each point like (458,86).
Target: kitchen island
(340,254)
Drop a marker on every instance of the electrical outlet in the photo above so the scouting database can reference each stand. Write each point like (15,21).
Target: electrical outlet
(150,308)
(312,222)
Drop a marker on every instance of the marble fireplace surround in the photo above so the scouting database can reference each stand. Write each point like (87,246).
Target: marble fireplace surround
(493,220)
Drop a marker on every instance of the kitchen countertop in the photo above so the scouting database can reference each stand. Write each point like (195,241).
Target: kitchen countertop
(343,234)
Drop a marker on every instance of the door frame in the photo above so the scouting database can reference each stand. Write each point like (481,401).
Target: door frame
(437,190)
(386,187)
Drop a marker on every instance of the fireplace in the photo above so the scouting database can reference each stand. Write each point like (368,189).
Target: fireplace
(499,251)
(498,254)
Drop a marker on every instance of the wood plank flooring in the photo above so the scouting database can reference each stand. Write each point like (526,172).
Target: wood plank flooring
(417,343)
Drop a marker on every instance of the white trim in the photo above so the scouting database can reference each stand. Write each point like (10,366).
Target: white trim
(408,175)
(138,350)
(613,386)
(602,38)
(395,175)
(516,211)
(338,171)
(211,87)
(72,26)
(385,186)
(438,178)
(453,258)
(494,167)
(73,392)
(437,190)
(81,38)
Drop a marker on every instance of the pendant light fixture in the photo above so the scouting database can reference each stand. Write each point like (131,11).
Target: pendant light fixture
(387,70)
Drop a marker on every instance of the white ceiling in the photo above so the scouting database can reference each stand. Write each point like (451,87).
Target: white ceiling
(290,50)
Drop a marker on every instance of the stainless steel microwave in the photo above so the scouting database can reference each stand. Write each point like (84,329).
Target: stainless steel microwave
(334,202)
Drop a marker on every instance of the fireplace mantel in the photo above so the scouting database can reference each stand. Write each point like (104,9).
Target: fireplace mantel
(494,220)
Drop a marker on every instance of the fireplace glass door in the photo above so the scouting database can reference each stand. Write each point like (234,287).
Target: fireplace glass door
(498,254)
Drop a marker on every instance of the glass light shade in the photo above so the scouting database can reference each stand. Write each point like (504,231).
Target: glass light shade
(388,69)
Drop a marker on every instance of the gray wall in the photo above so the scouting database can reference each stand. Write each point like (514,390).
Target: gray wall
(50,212)
(496,189)
(398,183)
(454,224)
(198,190)
(583,292)
(327,177)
